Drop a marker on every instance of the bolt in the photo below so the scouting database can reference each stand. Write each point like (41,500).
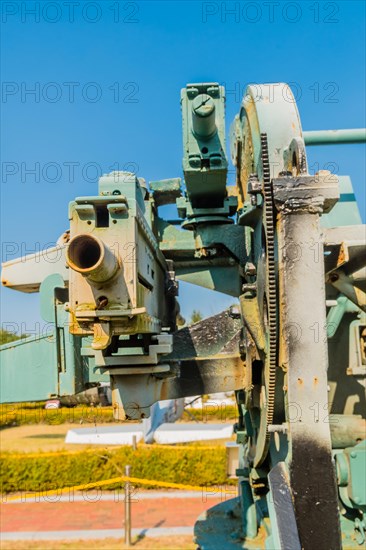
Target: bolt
(250,269)
(254,185)
(249,288)
(323,173)
(333,277)
(285,173)
(102,302)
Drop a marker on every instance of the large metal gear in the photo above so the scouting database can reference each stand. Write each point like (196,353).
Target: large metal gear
(270,308)
(261,374)
(267,149)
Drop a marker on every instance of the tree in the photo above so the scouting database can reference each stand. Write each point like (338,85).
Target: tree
(196,316)
(6,337)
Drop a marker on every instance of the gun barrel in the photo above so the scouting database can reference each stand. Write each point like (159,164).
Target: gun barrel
(329,137)
(92,258)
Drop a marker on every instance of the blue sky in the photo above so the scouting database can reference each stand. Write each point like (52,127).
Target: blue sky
(107,76)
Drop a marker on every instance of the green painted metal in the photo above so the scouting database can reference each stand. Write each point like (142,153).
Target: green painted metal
(336,312)
(330,137)
(351,468)
(29,369)
(49,364)
(204,157)
(279,242)
(346,211)
(117,272)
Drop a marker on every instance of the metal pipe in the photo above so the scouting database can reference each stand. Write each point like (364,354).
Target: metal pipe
(330,137)
(127,508)
(203,116)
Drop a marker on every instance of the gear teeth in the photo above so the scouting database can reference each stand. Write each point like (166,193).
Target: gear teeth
(271,275)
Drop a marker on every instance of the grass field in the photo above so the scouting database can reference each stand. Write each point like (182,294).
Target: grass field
(37,437)
(32,438)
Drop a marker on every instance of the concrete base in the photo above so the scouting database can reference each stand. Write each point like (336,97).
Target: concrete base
(109,435)
(221,527)
(183,433)
(165,434)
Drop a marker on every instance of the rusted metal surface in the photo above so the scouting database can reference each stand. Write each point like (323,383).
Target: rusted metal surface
(133,397)
(205,360)
(166,191)
(301,356)
(282,514)
(212,336)
(346,430)
(345,262)
(305,360)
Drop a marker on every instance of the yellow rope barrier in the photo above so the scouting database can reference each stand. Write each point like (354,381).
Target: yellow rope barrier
(136,480)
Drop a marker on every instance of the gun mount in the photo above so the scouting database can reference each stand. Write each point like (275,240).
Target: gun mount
(289,245)
(120,282)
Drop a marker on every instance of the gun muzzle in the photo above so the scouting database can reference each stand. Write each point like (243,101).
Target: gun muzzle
(92,258)
(203,116)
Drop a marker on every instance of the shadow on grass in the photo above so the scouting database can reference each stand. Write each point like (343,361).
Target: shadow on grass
(141,536)
(46,436)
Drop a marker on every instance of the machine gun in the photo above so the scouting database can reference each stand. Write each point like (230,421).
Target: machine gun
(290,246)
